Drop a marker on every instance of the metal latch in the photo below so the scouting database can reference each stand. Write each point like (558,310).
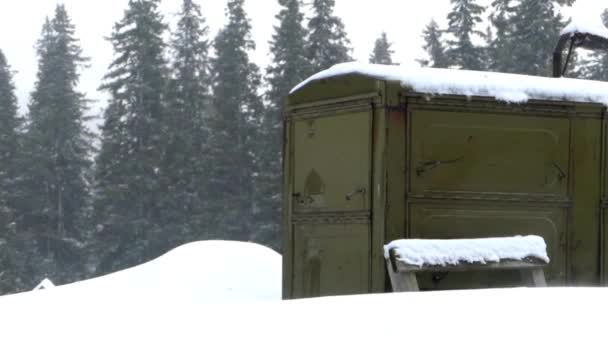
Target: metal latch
(359,191)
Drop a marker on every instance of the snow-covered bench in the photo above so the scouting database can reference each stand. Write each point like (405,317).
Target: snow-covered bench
(405,258)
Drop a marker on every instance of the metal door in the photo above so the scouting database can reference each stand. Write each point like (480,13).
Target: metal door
(476,174)
(331,204)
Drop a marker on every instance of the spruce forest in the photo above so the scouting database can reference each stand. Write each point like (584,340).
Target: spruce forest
(191,142)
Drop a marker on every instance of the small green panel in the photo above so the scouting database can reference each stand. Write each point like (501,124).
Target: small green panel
(489,153)
(585,231)
(334,88)
(603,259)
(395,169)
(332,163)
(332,259)
(453,221)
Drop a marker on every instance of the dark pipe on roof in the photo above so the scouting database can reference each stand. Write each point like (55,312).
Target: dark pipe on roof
(577,40)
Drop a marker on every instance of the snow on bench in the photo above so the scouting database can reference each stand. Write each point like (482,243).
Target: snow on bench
(456,251)
(405,258)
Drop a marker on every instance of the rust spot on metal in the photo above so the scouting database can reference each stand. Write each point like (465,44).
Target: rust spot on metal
(396,116)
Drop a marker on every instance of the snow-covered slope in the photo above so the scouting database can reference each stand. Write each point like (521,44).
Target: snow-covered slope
(148,300)
(194,293)
(481,315)
(511,88)
(199,272)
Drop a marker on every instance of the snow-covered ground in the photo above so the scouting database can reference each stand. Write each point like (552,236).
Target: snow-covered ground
(229,291)
(479,315)
(194,276)
(202,272)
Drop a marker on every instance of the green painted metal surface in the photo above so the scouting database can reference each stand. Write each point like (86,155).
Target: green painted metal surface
(436,167)
(327,169)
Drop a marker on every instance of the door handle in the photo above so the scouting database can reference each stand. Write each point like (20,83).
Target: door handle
(359,191)
(431,164)
(561,174)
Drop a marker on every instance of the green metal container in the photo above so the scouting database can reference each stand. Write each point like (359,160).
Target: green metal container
(368,161)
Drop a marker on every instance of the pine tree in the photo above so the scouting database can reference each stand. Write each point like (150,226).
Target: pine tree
(463,19)
(499,45)
(597,66)
(434,47)
(10,124)
(328,43)
(129,175)
(289,67)
(185,161)
(234,127)
(9,139)
(382,53)
(534,27)
(57,149)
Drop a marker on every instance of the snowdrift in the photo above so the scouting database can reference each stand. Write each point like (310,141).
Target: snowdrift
(549,314)
(199,272)
(228,291)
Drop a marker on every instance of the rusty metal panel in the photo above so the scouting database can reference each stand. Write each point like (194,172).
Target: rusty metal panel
(437,167)
(379,187)
(466,154)
(584,231)
(287,247)
(331,195)
(332,163)
(334,89)
(331,259)
(603,258)
(396,166)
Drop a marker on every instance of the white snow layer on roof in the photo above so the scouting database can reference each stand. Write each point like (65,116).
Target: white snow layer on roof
(584,25)
(512,88)
(453,252)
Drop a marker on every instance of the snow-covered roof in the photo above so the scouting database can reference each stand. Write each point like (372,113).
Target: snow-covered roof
(587,25)
(453,252)
(512,88)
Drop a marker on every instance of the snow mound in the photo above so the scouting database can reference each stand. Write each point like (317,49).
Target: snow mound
(503,315)
(45,284)
(511,88)
(453,252)
(584,25)
(207,271)
(199,272)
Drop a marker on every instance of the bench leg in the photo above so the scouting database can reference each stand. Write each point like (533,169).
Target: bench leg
(402,282)
(535,277)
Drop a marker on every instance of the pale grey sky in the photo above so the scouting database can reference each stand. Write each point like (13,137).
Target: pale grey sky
(403,20)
